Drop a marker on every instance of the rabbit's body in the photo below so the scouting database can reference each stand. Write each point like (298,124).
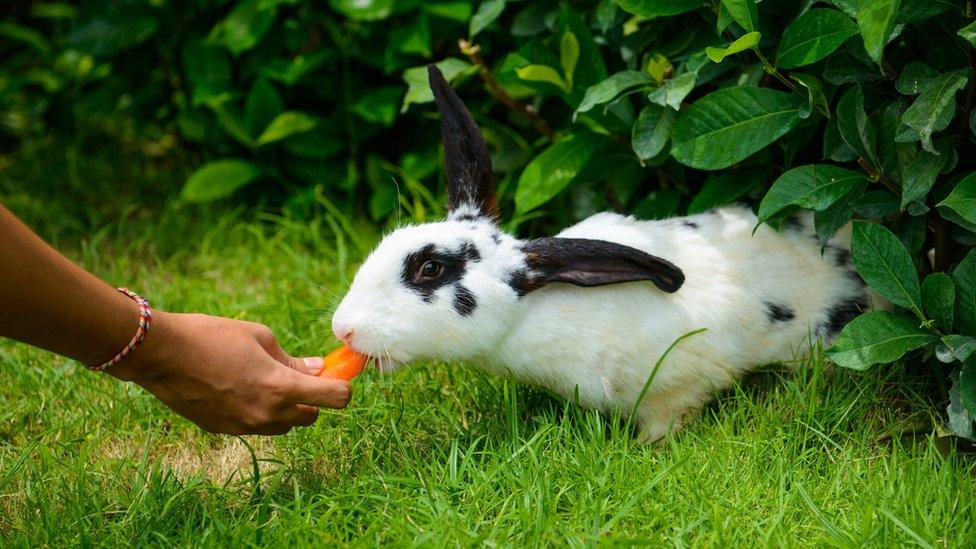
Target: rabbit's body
(589,312)
(761,297)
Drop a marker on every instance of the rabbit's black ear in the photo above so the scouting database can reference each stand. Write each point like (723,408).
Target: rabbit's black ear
(467,167)
(586,262)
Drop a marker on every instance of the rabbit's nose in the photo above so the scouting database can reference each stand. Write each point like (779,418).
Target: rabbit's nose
(342,333)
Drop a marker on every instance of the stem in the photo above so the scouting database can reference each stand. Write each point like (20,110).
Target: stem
(940,228)
(769,68)
(877,175)
(473,51)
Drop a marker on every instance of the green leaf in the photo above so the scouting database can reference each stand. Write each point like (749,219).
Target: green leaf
(815,94)
(877,338)
(232,122)
(208,70)
(652,130)
(543,73)
(813,36)
(289,71)
(219,179)
(933,110)
(590,69)
(939,298)
(964,275)
(968,33)
(459,10)
(960,205)
(834,147)
(674,91)
(263,104)
(726,188)
(745,42)
(813,187)
(743,12)
(550,172)
(418,90)
(919,170)
(609,89)
(967,385)
(855,127)
(315,145)
(884,263)
(363,10)
(876,19)
(955,348)
(657,8)
(244,26)
(569,53)
(25,35)
(286,124)
(959,416)
(729,125)
(876,203)
(488,12)
(915,78)
(379,105)
(828,221)
(660,204)
(413,38)
(659,68)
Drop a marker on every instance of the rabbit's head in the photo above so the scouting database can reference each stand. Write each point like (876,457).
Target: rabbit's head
(450,290)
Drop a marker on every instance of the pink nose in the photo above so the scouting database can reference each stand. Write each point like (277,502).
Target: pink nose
(342,333)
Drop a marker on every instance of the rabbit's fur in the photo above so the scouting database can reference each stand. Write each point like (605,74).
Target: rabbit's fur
(588,314)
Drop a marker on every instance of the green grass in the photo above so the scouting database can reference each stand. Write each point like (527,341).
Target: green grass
(434,454)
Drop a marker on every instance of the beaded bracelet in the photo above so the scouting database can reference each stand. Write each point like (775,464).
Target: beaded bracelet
(145,320)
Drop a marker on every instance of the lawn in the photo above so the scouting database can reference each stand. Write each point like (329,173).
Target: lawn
(435,454)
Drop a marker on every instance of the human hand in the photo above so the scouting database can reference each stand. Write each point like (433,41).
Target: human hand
(229,376)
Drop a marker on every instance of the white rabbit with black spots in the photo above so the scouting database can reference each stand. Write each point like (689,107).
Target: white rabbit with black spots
(588,313)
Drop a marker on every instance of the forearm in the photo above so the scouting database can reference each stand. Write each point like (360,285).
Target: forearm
(49,302)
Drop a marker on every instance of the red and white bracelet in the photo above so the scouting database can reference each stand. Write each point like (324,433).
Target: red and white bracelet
(145,320)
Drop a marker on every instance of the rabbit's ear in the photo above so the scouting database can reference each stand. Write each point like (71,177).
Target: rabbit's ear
(467,167)
(586,262)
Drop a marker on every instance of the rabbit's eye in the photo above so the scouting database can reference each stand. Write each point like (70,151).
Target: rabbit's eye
(431,269)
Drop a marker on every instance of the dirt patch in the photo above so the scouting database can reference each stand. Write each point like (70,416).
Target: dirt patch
(217,459)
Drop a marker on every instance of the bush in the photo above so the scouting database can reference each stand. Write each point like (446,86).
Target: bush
(854,109)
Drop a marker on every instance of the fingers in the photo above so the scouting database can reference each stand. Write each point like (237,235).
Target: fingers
(299,415)
(265,337)
(316,391)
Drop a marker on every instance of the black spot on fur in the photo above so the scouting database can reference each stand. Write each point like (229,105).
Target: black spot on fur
(496,238)
(779,312)
(792,223)
(840,314)
(453,265)
(519,282)
(470,252)
(855,276)
(464,301)
(842,257)
(690,224)
(465,217)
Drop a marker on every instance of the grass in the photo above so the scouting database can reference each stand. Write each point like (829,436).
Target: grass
(432,455)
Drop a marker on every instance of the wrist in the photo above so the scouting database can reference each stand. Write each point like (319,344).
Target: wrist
(148,361)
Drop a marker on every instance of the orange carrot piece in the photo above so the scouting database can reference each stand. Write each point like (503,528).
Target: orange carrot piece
(344,363)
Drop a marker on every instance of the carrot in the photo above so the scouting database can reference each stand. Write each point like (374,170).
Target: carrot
(344,363)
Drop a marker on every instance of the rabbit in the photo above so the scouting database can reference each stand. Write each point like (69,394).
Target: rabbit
(588,313)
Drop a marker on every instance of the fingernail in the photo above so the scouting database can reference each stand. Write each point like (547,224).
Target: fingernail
(314,364)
